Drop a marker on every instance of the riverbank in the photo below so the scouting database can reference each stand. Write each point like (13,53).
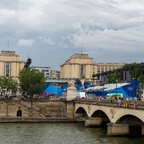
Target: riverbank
(39,120)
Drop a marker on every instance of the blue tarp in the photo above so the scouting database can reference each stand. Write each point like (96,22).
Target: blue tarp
(53,90)
(97,93)
(128,90)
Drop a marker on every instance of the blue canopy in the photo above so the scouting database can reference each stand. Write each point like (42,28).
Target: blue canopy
(53,90)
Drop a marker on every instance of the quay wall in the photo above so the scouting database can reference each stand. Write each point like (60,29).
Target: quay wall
(53,108)
(39,120)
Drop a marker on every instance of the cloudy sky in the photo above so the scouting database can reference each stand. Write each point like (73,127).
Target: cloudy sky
(50,31)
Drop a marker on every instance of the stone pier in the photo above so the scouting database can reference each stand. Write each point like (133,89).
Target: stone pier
(117,129)
(71,93)
(142,130)
(93,121)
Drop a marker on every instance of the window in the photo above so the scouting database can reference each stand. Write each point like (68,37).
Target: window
(102,69)
(7,69)
(82,71)
(98,70)
(45,70)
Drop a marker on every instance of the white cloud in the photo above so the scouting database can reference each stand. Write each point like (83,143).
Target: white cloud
(25,43)
(62,44)
(6,15)
(47,40)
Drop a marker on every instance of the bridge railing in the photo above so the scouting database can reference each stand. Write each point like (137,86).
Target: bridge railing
(133,104)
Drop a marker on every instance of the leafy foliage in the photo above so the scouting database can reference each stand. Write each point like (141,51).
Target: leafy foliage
(7,84)
(32,81)
(136,71)
(113,78)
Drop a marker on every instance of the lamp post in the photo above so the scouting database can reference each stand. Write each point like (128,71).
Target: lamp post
(133,87)
(103,86)
(59,108)
(116,88)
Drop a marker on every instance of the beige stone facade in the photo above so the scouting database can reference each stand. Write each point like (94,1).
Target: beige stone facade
(82,66)
(10,65)
(55,74)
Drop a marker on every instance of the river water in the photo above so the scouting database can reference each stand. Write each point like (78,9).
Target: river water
(59,133)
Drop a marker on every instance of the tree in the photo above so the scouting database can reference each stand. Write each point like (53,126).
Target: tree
(113,78)
(32,82)
(134,69)
(8,84)
(12,85)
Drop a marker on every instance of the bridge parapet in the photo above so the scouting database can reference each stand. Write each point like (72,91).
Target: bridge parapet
(113,103)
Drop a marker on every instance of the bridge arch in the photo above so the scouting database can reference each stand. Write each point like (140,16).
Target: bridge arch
(130,119)
(99,113)
(128,114)
(114,114)
(81,112)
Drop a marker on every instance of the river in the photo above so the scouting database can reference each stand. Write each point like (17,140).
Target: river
(59,133)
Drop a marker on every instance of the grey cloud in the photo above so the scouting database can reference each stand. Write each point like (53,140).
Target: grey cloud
(51,31)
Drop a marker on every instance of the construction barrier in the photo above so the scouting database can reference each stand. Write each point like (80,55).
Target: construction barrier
(134,106)
(126,105)
(119,104)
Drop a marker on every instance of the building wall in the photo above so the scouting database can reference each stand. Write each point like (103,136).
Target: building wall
(46,70)
(55,74)
(15,65)
(81,65)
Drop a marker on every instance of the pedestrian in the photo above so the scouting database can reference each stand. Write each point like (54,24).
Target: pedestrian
(19,112)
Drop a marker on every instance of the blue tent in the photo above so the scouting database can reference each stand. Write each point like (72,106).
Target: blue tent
(53,90)
(128,90)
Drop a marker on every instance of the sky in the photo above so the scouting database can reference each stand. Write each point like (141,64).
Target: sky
(50,31)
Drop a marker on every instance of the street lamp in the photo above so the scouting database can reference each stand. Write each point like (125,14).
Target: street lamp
(133,87)
(116,88)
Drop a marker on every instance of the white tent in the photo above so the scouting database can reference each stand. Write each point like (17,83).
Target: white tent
(80,94)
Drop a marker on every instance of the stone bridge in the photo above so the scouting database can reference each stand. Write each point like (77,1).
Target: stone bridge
(118,116)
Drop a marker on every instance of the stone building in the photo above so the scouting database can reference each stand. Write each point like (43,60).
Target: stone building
(82,66)
(55,74)
(10,65)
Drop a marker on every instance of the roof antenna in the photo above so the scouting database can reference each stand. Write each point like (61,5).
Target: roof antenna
(8,44)
(81,49)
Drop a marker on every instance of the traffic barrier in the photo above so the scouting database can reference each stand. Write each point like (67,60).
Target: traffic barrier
(125,105)
(134,106)
(119,104)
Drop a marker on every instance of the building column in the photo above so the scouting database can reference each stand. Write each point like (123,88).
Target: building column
(117,129)
(93,121)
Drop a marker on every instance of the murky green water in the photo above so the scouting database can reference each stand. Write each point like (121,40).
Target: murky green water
(59,133)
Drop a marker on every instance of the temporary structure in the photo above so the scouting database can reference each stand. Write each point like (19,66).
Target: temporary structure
(53,90)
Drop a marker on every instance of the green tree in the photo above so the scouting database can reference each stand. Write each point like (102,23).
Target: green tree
(32,82)
(8,84)
(113,78)
(141,79)
(12,85)
(134,70)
